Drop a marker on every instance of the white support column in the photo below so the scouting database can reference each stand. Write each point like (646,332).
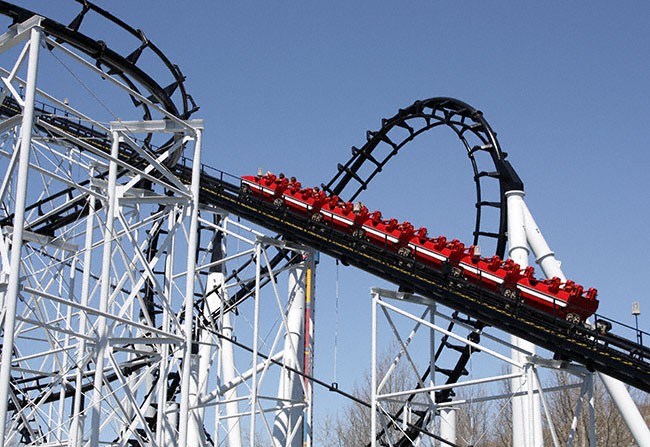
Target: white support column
(628,409)
(195,435)
(310,319)
(549,421)
(216,301)
(185,415)
(68,362)
(617,390)
(290,383)
(13,285)
(544,256)
(201,363)
(102,328)
(166,418)
(517,245)
(207,341)
(526,428)
(576,415)
(228,375)
(256,329)
(530,402)
(432,372)
(76,430)
(373,373)
(199,383)
(517,251)
(592,411)
(448,424)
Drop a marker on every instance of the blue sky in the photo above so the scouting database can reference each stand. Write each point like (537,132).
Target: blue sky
(290,86)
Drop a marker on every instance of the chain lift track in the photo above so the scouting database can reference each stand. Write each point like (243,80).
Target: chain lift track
(610,354)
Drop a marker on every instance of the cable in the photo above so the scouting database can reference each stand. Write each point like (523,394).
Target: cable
(330,387)
(88,90)
(336,321)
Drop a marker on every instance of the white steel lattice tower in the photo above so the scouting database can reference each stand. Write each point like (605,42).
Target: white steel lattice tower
(116,316)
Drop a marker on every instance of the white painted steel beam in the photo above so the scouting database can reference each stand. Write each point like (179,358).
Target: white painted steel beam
(526,411)
(102,327)
(13,286)
(620,395)
(216,301)
(373,372)
(457,337)
(256,322)
(628,409)
(189,294)
(289,387)
(448,424)
(167,414)
(166,126)
(18,33)
(518,252)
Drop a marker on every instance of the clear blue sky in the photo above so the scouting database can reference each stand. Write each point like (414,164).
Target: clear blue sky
(290,86)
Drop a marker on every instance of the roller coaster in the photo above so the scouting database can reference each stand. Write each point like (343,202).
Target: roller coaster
(147,342)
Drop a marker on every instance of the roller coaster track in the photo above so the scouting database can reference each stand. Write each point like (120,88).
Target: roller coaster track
(473,131)
(620,358)
(115,64)
(610,354)
(623,359)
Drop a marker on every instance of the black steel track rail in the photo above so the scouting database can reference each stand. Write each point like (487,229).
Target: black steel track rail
(606,353)
(124,66)
(473,131)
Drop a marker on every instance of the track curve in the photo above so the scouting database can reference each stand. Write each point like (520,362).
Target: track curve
(181,105)
(467,122)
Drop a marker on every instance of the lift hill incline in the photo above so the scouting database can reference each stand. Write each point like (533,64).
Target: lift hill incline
(605,352)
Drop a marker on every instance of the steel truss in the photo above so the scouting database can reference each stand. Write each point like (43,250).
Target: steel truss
(87,349)
(406,317)
(115,329)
